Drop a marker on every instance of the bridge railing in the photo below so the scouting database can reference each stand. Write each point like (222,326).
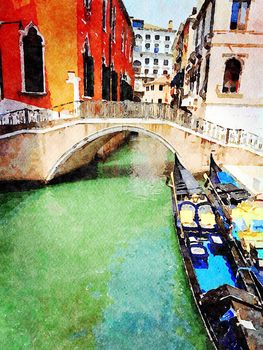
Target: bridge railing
(28,116)
(127,109)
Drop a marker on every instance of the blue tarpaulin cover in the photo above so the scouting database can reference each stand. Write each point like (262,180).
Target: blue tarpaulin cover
(226,178)
(260,253)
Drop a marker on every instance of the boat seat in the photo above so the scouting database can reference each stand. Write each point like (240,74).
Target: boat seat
(206,217)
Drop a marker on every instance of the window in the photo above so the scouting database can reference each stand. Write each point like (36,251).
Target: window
(138,24)
(147,60)
(137,63)
(231,77)
(165,72)
(33,62)
(147,88)
(137,48)
(113,23)
(167,38)
(160,87)
(152,87)
(146,71)
(167,46)
(147,46)
(138,36)
(104,14)
(156,61)
(160,100)
(88,63)
(137,67)
(87,4)
(165,62)
(156,45)
(157,37)
(147,37)
(239,14)
(155,71)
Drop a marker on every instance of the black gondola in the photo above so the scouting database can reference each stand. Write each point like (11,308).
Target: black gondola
(229,191)
(225,295)
(225,202)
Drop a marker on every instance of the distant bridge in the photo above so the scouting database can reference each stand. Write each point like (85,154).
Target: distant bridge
(42,144)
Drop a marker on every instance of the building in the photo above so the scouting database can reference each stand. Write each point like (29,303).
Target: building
(52,54)
(227,63)
(183,51)
(152,55)
(158,90)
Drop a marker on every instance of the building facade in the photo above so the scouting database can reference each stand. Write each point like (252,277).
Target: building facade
(52,54)
(226,64)
(152,54)
(158,91)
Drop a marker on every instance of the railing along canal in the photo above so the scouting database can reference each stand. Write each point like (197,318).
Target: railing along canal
(37,118)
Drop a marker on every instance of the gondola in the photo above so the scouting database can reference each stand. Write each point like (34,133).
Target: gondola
(230,192)
(244,217)
(224,290)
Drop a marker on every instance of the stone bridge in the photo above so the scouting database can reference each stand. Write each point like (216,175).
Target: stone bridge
(39,145)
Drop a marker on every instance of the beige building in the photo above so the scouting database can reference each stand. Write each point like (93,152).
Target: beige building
(158,90)
(226,66)
(152,53)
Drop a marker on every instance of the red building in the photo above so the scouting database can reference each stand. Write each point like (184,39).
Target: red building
(52,53)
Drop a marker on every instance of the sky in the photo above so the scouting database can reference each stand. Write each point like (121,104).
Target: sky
(159,12)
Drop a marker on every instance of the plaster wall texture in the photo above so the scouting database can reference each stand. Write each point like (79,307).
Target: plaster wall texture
(244,108)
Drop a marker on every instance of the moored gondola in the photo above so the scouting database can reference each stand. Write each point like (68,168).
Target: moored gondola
(243,214)
(230,192)
(224,291)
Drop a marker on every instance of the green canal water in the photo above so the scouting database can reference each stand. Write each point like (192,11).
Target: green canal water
(93,262)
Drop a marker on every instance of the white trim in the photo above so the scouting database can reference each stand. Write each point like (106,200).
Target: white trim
(24,33)
(86,41)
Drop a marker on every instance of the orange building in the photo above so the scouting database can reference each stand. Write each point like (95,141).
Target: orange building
(53,53)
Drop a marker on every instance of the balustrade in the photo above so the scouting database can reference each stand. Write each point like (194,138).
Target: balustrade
(128,109)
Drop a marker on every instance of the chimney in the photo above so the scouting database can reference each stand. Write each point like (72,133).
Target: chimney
(170,25)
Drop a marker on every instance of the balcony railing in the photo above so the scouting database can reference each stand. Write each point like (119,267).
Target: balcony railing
(38,118)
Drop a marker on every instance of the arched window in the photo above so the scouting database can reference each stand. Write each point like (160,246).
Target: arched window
(147,46)
(137,67)
(88,63)
(232,76)
(138,36)
(137,63)
(33,59)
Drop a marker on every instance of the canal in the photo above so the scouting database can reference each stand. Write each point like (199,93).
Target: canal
(93,263)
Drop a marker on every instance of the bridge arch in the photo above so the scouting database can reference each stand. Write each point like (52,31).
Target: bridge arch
(97,140)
